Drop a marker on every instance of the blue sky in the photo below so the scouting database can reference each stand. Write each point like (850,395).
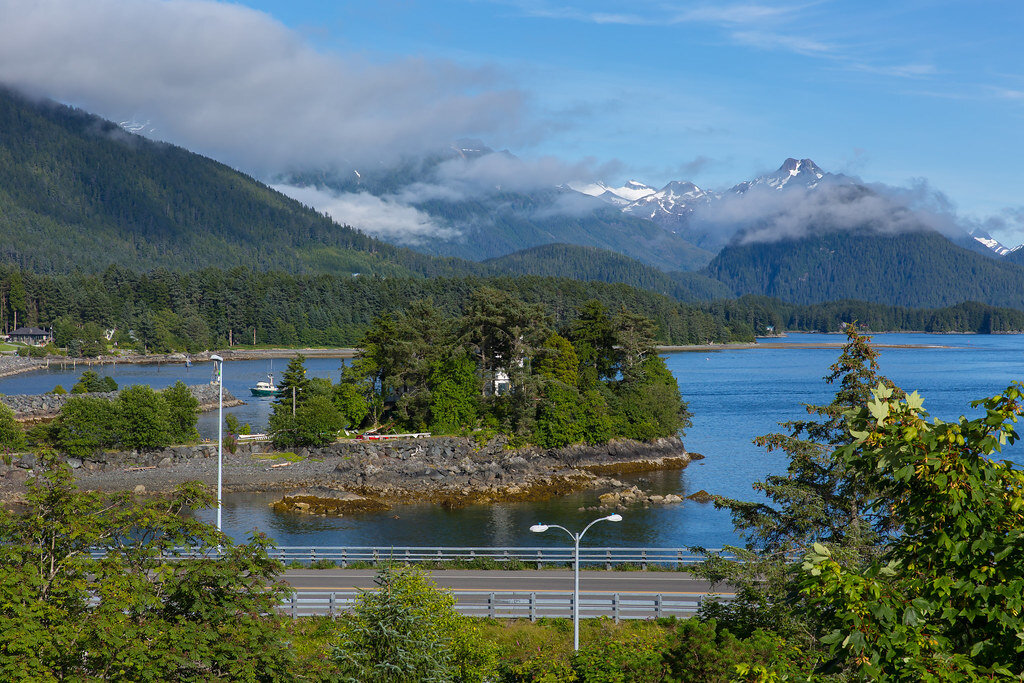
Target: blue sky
(715,92)
(905,93)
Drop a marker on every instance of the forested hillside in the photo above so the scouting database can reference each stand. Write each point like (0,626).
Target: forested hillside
(77,192)
(914,269)
(589,263)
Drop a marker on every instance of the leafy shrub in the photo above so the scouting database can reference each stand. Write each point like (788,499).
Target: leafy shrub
(407,630)
(12,436)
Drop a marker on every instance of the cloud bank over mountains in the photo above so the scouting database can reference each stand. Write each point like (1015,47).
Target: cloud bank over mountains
(233,83)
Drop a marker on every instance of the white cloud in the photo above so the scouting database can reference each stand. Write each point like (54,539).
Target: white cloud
(233,83)
(378,216)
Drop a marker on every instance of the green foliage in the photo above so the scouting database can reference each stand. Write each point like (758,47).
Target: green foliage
(91,382)
(557,360)
(85,425)
(648,404)
(558,421)
(700,652)
(351,401)
(304,414)
(454,394)
(635,660)
(407,631)
(59,390)
(231,422)
(143,418)
(131,615)
(182,410)
(944,602)
(12,436)
(317,422)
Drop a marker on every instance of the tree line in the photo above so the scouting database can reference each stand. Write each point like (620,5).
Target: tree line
(163,311)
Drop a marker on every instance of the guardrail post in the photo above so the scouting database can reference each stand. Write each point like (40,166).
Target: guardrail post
(294,607)
(533,607)
(540,557)
(657,606)
(679,558)
(608,560)
(643,559)
(375,558)
(615,607)
(330,606)
(490,606)
(406,557)
(344,558)
(506,558)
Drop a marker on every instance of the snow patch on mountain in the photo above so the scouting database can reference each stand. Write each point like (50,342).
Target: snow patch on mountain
(985,239)
(629,192)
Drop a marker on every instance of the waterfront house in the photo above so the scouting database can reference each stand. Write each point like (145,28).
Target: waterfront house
(31,335)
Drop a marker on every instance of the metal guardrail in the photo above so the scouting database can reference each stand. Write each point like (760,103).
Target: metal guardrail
(517,604)
(343,556)
(609,557)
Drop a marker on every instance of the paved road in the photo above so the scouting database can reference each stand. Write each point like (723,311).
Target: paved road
(665,583)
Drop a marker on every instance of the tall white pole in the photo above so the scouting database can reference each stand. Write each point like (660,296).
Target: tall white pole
(576,596)
(220,438)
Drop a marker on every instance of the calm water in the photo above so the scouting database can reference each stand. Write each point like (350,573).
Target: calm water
(733,395)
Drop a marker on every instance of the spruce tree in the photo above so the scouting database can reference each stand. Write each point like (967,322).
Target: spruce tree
(818,499)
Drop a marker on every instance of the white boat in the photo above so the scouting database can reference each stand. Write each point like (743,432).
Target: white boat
(265,388)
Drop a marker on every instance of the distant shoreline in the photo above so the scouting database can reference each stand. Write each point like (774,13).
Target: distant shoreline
(742,346)
(16,365)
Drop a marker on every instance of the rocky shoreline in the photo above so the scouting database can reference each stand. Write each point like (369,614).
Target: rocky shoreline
(448,471)
(33,408)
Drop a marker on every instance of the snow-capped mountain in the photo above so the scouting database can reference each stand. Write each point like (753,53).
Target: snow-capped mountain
(793,173)
(670,204)
(986,240)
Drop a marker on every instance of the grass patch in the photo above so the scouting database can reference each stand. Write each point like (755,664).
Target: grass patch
(287,456)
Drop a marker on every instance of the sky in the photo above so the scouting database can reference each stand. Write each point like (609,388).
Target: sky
(910,93)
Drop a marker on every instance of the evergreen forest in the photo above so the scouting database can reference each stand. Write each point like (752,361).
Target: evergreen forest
(501,367)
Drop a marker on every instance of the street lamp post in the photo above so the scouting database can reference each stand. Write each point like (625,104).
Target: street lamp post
(540,528)
(220,435)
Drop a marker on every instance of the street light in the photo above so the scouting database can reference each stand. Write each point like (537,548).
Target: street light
(220,433)
(541,528)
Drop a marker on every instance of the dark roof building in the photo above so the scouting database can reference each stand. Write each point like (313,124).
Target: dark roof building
(30,335)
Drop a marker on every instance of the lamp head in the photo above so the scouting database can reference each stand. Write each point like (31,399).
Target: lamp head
(538,528)
(217,358)
(613,518)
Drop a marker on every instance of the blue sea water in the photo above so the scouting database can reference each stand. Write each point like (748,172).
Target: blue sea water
(734,395)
